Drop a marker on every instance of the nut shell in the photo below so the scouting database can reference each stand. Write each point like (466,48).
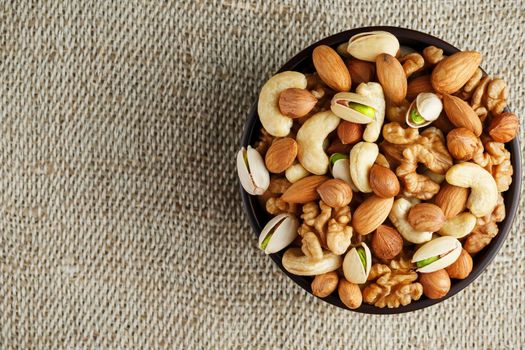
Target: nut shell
(383,181)
(331,68)
(504,127)
(462,267)
(296,103)
(335,193)
(435,284)
(462,143)
(392,77)
(454,71)
(426,217)
(451,199)
(325,284)
(371,213)
(349,132)
(387,243)
(350,294)
(281,155)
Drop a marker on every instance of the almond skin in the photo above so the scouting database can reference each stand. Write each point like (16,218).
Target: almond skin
(325,284)
(462,143)
(426,217)
(462,267)
(435,284)
(451,199)
(349,133)
(383,181)
(387,243)
(504,127)
(392,77)
(361,71)
(350,294)
(296,103)
(304,190)
(371,213)
(419,85)
(331,68)
(281,155)
(461,114)
(335,193)
(454,71)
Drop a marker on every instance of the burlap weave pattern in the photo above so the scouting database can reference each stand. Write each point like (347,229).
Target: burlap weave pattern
(121,224)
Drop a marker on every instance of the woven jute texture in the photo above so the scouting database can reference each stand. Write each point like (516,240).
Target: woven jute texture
(121,224)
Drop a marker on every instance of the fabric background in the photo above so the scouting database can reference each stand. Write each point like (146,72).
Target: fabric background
(121,224)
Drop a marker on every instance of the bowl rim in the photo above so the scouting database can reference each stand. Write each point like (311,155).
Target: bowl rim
(481,260)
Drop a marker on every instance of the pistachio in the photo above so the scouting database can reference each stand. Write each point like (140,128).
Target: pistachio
(357,264)
(425,109)
(340,168)
(437,254)
(252,172)
(353,107)
(278,233)
(367,46)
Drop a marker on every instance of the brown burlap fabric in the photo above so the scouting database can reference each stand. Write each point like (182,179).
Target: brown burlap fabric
(121,224)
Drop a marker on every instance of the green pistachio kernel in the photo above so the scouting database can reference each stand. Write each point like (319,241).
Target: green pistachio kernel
(427,261)
(266,240)
(416,117)
(362,256)
(363,109)
(337,156)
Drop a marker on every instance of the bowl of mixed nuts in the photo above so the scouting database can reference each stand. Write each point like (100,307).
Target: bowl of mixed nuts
(380,169)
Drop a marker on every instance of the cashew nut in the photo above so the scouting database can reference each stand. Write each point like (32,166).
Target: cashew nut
(362,157)
(398,216)
(484,191)
(310,138)
(295,262)
(374,92)
(296,172)
(271,117)
(459,226)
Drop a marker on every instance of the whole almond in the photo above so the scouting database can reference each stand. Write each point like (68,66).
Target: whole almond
(451,199)
(419,85)
(387,243)
(325,284)
(392,77)
(349,133)
(426,217)
(296,103)
(371,213)
(304,190)
(383,181)
(454,71)
(361,71)
(281,155)
(462,143)
(335,193)
(462,267)
(461,114)
(331,68)
(350,294)
(504,127)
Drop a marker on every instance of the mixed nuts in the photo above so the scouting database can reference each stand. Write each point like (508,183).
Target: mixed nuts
(383,170)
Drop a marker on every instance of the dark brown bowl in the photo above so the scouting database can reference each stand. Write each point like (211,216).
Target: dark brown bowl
(258,217)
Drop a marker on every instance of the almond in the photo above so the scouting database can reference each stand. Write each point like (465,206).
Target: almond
(461,114)
(361,71)
(462,144)
(462,267)
(331,68)
(296,103)
(281,155)
(335,193)
(387,243)
(419,85)
(454,71)
(426,217)
(383,181)
(371,213)
(451,199)
(392,77)
(349,133)
(504,127)
(304,190)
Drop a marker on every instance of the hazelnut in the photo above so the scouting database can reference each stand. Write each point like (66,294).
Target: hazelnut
(383,181)
(462,143)
(462,267)
(387,243)
(296,103)
(335,193)
(504,127)
(349,133)
(435,284)
(325,284)
(426,217)
(361,71)
(350,294)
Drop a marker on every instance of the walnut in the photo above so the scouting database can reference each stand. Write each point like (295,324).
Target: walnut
(275,205)
(377,271)
(397,113)
(433,139)
(485,94)
(495,158)
(468,89)
(402,263)
(264,142)
(278,185)
(396,134)
(433,55)
(412,63)
(486,229)
(311,246)
(496,96)
(392,152)
(393,288)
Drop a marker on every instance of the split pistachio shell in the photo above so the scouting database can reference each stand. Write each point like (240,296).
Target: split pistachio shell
(294,261)
(446,248)
(252,172)
(278,233)
(428,106)
(341,169)
(353,268)
(367,46)
(339,106)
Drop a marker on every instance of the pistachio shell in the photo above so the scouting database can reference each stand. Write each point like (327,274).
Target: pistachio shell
(350,114)
(437,247)
(367,46)
(353,268)
(341,170)
(252,172)
(428,105)
(284,227)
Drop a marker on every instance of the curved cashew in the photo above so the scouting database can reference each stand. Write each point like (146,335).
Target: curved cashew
(310,138)
(362,156)
(459,226)
(296,172)
(374,92)
(398,216)
(271,117)
(295,262)
(484,191)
